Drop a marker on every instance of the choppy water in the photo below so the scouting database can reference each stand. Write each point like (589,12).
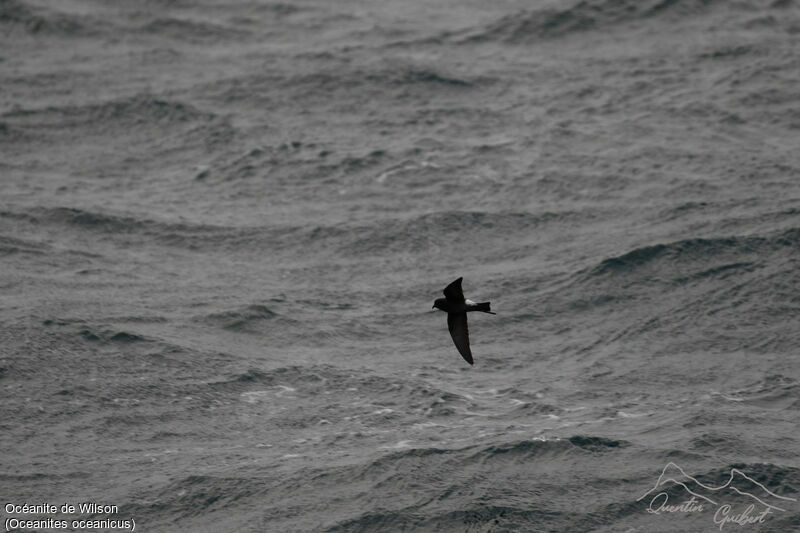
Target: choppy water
(222,226)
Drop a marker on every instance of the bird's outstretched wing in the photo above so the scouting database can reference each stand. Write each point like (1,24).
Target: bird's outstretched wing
(457,324)
(453,292)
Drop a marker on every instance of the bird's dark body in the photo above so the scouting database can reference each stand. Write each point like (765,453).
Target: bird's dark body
(464,306)
(457,307)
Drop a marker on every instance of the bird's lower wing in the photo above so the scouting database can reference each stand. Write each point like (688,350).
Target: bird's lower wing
(457,324)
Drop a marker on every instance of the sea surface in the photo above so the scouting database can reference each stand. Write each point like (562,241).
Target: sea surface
(223,225)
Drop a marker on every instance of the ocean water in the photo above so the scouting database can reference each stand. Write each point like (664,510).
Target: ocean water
(223,225)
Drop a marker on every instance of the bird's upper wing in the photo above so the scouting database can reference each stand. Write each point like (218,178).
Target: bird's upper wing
(453,291)
(457,324)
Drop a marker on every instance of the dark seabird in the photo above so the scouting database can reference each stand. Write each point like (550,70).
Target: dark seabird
(457,308)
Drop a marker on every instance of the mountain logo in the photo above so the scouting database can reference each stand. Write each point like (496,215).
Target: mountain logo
(755,501)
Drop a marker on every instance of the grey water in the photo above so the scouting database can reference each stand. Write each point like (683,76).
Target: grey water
(223,225)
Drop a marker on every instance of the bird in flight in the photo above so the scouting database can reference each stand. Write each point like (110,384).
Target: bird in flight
(457,307)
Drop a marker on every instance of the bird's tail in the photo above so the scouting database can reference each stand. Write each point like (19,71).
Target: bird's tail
(484,306)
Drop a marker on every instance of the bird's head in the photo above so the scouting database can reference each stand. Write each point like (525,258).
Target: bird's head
(440,303)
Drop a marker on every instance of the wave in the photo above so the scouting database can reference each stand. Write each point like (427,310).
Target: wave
(772,392)
(548,23)
(677,455)
(347,81)
(135,111)
(716,442)
(316,379)
(191,30)
(17,15)
(462,487)
(734,52)
(715,291)
(184,235)
(481,506)
(451,491)
(203,493)
(516,450)
(418,233)
(247,318)
(12,134)
(106,336)
(49,475)
(689,249)
(475,517)
(436,231)
(700,250)
(14,245)
(528,448)
(398,76)
(116,226)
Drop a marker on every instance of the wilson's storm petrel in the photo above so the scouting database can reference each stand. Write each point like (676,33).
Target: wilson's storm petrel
(457,307)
